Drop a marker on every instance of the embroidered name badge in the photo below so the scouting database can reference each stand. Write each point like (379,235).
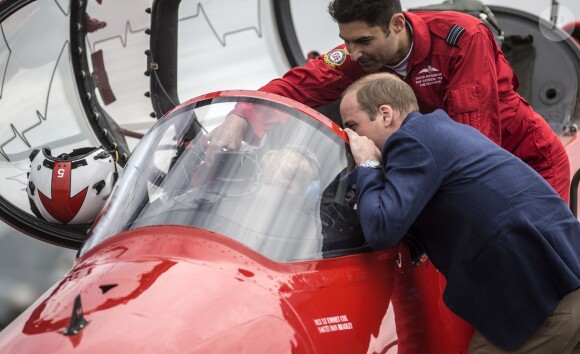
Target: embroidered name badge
(335,57)
(428,76)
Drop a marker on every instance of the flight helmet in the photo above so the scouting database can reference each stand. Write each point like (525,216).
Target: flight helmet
(70,188)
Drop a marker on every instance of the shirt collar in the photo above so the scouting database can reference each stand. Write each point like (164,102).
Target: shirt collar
(421,38)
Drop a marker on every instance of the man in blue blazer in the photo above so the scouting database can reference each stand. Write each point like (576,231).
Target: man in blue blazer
(507,244)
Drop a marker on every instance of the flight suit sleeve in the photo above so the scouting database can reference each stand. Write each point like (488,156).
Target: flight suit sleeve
(472,93)
(320,81)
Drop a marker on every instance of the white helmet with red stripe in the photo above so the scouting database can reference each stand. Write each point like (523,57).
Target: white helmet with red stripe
(70,188)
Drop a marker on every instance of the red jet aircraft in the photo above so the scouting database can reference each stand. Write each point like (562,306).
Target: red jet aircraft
(259,252)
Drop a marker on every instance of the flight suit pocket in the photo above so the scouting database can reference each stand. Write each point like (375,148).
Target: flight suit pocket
(463,105)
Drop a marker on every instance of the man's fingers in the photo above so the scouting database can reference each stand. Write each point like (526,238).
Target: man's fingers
(225,137)
(205,141)
(361,147)
(353,138)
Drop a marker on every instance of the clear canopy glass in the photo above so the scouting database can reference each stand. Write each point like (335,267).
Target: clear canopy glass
(282,195)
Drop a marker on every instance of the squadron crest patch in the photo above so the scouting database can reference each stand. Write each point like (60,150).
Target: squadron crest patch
(335,57)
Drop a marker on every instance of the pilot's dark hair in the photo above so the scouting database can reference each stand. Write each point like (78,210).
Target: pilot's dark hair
(372,12)
(374,90)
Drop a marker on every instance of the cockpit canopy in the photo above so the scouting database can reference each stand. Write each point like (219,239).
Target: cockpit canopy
(282,194)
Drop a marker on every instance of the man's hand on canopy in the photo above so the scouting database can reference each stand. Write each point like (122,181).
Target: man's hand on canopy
(226,137)
(362,148)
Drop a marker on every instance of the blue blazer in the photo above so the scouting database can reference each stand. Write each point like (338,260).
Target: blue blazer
(507,244)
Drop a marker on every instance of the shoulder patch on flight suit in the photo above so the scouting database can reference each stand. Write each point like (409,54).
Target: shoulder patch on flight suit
(454,34)
(335,57)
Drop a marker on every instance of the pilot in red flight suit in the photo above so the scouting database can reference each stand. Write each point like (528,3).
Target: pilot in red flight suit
(450,59)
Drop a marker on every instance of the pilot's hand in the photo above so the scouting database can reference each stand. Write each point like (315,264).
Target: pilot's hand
(226,137)
(362,148)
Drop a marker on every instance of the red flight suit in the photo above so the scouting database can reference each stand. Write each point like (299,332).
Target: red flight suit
(455,65)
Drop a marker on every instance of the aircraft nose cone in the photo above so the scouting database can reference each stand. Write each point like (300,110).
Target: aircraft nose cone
(160,305)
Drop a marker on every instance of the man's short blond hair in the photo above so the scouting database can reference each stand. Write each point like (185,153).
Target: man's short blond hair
(374,90)
(293,168)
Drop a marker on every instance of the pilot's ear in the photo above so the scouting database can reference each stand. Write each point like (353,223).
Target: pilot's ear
(397,23)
